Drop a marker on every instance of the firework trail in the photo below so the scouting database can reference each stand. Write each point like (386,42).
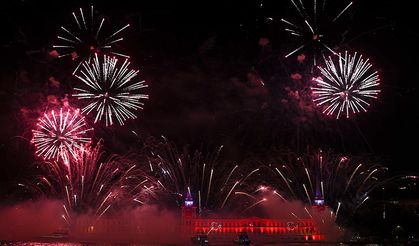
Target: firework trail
(108,90)
(314,27)
(59,135)
(320,179)
(95,184)
(87,35)
(347,86)
(185,173)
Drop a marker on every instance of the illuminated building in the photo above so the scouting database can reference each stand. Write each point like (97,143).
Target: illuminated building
(262,229)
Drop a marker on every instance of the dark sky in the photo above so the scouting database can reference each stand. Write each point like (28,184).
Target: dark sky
(199,57)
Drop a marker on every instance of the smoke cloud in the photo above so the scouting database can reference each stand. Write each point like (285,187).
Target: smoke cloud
(38,220)
(324,219)
(29,220)
(146,224)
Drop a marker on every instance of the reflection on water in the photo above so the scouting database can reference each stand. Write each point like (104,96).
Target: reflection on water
(39,244)
(129,244)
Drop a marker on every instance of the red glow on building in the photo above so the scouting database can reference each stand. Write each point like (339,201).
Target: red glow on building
(224,228)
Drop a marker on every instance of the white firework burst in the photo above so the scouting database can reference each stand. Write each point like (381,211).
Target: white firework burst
(313,27)
(348,85)
(108,89)
(87,36)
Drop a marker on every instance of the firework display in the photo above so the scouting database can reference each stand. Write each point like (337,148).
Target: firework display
(313,27)
(95,182)
(108,90)
(203,178)
(347,86)
(87,35)
(326,179)
(60,134)
(273,103)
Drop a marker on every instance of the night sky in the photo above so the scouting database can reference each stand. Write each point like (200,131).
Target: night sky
(200,59)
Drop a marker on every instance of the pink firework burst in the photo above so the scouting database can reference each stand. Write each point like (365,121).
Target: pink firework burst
(59,134)
(347,85)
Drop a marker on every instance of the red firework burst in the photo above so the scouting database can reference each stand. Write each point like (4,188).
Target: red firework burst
(59,135)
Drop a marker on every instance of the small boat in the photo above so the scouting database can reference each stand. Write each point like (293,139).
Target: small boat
(242,239)
(200,239)
(58,235)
